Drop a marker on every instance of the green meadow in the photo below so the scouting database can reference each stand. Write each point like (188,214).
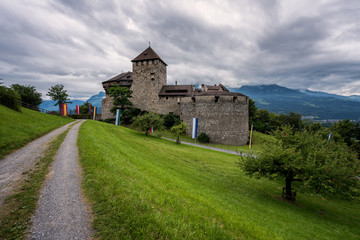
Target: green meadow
(150,188)
(20,128)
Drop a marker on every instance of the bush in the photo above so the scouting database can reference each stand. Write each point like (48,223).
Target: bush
(80,116)
(203,138)
(128,115)
(171,120)
(9,98)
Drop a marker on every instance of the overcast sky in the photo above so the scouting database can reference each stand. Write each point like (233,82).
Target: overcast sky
(311,44)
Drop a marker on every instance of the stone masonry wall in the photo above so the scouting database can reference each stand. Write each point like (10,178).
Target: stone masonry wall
(148,78)
(225,121)
(107,104)
(171,104)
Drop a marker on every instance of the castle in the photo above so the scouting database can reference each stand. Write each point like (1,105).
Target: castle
(222,115)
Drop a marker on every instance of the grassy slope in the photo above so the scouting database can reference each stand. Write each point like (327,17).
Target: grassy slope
(258,140)
(19,128)
(149,188)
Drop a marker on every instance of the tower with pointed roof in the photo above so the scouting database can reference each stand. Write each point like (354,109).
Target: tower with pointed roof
(149,75)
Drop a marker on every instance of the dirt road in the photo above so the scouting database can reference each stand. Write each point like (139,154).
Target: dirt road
(13,165)
(62,211)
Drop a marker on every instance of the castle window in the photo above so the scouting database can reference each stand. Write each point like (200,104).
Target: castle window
(167,98)
(193,99)
(216,99)
(142,63)
(137,63)
(234,99)
(152,61)
(147,62)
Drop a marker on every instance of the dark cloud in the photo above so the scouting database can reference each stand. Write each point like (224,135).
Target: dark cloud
(302,44)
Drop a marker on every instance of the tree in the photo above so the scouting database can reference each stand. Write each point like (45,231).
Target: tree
(121,97)
(171,120)
(9,98)
(28,94)
(147,121)
(316,164)
(84,109)
(178,130)
(293,119)
(252,111)
(58,94)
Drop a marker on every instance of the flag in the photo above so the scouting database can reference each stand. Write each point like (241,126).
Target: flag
(194,128)
(90,109)
(329,137)
(65,109)
(251,132)
(77,109)
(118,116)
(94,114)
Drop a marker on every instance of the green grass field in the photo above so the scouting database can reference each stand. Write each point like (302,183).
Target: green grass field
(150,188)
(19,128)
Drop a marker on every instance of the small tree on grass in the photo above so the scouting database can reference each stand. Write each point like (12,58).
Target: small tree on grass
(28,94)
(178,130)
(59,94)
(318,165)
(147,121)
(121,97)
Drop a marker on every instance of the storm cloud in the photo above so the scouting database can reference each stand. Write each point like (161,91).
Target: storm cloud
(297,44)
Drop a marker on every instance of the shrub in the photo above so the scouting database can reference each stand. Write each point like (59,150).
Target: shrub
(9,98)
(203,138)
(171,120)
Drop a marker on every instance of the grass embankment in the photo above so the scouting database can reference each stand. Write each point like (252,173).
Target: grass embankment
(150,188)
(18,208)
(19,128)
(258,141)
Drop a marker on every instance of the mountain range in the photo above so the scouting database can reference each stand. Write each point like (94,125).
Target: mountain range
(310,104)
(94,100)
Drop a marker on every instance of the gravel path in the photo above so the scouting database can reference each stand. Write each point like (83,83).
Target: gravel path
(24,159)
(63,212)
(208,147)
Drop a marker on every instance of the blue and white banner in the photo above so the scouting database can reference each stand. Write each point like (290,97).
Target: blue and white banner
(329,136)
(194,127)
(118,114)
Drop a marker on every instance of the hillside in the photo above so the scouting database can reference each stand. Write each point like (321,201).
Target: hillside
(150,188)
(316,105)
(19,128)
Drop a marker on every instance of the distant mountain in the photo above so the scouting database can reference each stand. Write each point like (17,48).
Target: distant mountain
(95,100)
(317,105)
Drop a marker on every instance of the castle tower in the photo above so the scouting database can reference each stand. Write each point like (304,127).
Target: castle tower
(149,75)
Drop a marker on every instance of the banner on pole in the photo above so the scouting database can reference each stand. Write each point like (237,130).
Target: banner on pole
(94,114)
(90,110)
(118,116)
(65,109)
(77,109)
(194,128)
(251,132)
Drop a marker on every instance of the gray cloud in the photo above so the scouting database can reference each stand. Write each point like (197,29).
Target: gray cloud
(300,44)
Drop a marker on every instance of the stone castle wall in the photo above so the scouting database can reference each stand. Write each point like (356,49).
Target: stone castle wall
(107,104)
(148,78)
(225,121)
(169,104)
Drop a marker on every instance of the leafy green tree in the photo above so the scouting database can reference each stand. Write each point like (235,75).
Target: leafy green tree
(28,94)
(59,94)
(147,121)
(171,120)
(121,97)
(179,130)
(293,119)
(9,98)
(84,109)
(310,160)
(252,111)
